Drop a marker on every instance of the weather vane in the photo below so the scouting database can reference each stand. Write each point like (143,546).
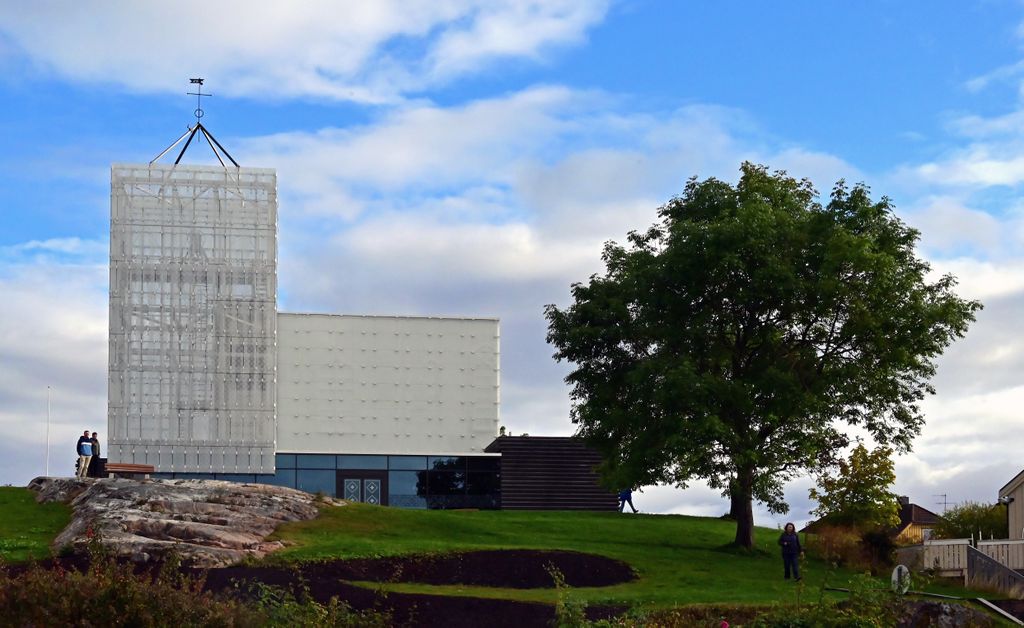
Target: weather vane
(199,96)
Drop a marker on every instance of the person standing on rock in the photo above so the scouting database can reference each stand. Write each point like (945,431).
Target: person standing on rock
(84,454)
(94,464)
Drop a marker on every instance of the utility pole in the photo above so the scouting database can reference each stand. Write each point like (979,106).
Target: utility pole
(47,431)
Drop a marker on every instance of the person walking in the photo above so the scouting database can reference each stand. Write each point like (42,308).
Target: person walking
(626,497)
(791,551)
(94,463)
(84,454)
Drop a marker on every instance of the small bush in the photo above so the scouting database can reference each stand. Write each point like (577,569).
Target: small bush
(872,550)
(59,597)
(837,545)
(109,593)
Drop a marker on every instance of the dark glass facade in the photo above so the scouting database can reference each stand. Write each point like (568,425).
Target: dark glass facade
(404,481)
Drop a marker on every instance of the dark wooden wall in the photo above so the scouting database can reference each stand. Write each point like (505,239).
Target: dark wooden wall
(550,473)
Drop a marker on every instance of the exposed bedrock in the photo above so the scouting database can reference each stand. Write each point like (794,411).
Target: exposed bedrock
(209,523)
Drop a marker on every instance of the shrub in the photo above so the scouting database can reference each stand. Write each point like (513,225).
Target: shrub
(849,547)
(112,595)
(970,518)
(109,593)
(838,545)
(877,549)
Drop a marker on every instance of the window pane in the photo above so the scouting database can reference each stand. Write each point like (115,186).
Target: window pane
(314,461)
(362,462)
(484,483)
(485,463)
(447,463)
(414,463)
(407,489)
(285,461)
(446,482)
(316,481)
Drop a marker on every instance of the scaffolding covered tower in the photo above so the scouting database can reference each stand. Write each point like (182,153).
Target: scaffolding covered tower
(193,318)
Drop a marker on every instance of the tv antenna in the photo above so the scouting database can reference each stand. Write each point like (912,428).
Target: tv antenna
(943,503)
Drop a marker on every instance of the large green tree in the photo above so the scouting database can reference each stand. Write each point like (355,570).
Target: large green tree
(858,492)
(736,339)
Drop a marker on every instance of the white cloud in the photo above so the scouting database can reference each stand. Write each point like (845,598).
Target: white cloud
(979,166)
(949,228)
(64,246)
(1001,74)
(361,51)
(53,332)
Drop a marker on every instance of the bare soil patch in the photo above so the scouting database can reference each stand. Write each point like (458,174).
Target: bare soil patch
(518,569)
(514,569)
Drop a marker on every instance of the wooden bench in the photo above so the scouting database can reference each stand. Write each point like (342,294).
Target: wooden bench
(127,470)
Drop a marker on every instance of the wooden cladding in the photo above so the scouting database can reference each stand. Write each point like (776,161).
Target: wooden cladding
(550,473)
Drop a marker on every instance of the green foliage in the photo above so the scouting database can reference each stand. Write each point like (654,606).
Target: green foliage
(27,528)
(569,612)
(857,493)
(970,518)
(280,607)
(868,606)
(734,339)
(60,597)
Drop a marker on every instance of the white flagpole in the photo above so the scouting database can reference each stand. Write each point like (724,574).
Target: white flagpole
(47,431)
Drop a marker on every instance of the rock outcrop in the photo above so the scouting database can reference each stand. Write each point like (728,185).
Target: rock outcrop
(209,523)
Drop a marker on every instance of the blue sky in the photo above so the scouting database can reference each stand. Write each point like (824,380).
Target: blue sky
(470,157)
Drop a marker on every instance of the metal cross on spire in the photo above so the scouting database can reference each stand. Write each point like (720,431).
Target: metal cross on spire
(191,132)
(199,96)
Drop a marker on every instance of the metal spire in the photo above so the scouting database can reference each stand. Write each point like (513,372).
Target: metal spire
(198,128)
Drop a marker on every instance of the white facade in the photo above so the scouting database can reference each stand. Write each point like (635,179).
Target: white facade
(387,384)
(193,318)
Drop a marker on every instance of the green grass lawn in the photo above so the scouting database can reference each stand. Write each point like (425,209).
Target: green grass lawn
(679,559)
(26,528)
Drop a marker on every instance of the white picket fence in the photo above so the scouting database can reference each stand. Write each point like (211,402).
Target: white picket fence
(946,556)
(1009,553)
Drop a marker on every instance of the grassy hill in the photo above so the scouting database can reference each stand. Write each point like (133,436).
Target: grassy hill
(26,528)
(679,559)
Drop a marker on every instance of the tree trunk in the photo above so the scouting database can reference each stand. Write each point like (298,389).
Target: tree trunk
(742,508)
(735,502)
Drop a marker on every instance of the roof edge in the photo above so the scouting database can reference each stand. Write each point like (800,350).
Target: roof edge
(394,316)
(1010,486)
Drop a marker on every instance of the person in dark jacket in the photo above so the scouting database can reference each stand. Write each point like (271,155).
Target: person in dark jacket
(94,463)
(626,497)
(791,550)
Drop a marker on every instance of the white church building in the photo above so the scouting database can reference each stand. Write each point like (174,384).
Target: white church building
(208,379)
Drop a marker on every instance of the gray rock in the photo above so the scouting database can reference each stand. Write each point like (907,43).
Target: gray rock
(209,523)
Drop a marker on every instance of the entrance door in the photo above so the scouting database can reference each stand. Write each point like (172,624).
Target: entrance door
(369,487)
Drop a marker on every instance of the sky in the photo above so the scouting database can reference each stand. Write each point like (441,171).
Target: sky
(470,158)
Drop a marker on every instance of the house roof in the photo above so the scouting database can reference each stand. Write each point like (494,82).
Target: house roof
(909,515)
(1012,484)
(912,513)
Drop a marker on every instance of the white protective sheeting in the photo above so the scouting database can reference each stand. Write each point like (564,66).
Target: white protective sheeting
(387,384)
(193,318)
